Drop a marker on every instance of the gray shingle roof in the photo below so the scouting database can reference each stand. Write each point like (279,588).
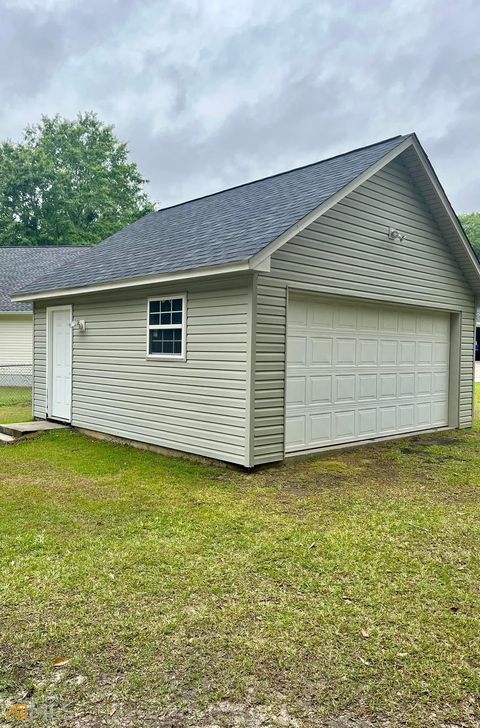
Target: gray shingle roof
(225,227)
(21,265)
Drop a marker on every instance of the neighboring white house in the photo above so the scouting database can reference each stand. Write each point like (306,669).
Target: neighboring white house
(18,267)
(329,305)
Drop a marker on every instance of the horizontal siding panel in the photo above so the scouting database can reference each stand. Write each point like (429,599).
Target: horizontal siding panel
(219,329)
(155,367)
(190,385)
(193,445)
(392,286)
(374,250)
(164,420)
(231,408)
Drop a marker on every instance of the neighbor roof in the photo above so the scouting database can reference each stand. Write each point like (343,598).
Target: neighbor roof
(221,228)
(21,265)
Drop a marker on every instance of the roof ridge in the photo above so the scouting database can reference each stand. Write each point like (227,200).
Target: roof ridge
(280,174)
(41,247)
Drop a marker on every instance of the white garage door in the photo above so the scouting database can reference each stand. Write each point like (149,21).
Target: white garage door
(360,371)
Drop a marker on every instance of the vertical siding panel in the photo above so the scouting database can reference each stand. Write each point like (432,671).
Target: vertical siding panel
(347,252)
(270,368)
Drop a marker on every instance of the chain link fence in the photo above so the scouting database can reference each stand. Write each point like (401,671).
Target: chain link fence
(15,384)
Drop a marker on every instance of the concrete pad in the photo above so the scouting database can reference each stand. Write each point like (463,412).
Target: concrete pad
(18,429)
(6,439)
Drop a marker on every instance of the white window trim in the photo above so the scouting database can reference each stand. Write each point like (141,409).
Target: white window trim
(169,357)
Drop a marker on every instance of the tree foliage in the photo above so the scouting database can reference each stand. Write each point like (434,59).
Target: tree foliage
(68,183)
(471,225)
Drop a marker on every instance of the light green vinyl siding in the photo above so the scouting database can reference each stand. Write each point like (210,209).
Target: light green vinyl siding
(39,404)
(347,252)
(197,406)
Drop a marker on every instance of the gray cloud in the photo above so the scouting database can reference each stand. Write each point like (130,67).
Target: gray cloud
(211,93)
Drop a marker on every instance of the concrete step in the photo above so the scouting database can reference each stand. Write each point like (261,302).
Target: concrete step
(6,439)
(21,429)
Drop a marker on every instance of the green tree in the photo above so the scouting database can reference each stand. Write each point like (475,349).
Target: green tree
(471,225)
(68,183)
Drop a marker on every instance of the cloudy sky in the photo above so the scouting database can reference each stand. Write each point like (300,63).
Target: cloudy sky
(213,93)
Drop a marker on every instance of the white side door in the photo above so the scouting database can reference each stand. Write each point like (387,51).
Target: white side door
(59,362)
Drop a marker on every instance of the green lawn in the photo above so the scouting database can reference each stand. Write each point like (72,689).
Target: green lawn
(336,589)
(15,404)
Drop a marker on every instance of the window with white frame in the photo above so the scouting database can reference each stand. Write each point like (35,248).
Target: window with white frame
(166,327)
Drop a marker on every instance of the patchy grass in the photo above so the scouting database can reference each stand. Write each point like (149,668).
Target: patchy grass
(15,404)
(344,587)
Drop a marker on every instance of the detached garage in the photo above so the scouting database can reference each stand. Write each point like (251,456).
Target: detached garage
(333,304)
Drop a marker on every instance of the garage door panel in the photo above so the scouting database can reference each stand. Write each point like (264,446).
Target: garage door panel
(297,312)
(424,353)
(406,415)
(345,352)
(321,389)
(357,372)
(296,391)
(439,412)
(367,422)
(440,382)
(296,430)
(406,353)
(321,351)
(322,316)
(367,352)
(367,387)
(441,353)
(346,317)
(406,384)
(297,351)
(389,321)
(424,413)
(321,429)
(345,388)
(388,353)
(387,419)
(344,424)
(424,324)
(441,327)
(387,385)
(368,319)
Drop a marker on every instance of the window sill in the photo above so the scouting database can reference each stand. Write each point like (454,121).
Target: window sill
(165,357)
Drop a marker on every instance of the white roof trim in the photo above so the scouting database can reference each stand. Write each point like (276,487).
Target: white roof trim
(237,267)
(15,313)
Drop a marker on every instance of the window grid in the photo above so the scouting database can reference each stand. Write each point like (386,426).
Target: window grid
(165,325)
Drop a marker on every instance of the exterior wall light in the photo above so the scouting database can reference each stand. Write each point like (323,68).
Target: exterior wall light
(78,324)
(396,235)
